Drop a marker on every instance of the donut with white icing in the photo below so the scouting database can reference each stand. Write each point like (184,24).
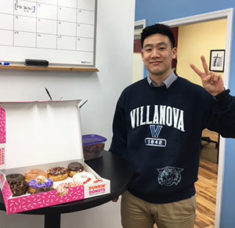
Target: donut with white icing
(83,178)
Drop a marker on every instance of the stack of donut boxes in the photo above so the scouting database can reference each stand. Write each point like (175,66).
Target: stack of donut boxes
(42,134)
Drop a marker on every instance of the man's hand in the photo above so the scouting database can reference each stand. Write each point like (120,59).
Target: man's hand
(115,199)
(212,82)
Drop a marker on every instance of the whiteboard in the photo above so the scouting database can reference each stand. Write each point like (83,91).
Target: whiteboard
(59,31)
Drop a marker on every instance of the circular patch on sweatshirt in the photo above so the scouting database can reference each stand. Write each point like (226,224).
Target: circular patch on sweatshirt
(168,176)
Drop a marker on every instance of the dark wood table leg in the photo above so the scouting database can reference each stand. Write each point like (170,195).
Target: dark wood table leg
(52,220)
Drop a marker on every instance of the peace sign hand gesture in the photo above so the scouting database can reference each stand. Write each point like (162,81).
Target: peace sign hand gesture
(212,82)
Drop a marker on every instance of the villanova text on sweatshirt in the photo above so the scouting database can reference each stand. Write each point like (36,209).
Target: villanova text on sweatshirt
(158,130)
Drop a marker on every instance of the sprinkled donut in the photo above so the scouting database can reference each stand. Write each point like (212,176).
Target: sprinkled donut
(57,173)
(63,188)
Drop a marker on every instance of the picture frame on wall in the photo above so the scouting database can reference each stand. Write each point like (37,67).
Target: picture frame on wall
(217,58)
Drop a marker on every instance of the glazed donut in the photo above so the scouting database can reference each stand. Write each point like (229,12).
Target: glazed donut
(17,184)
(83,178)
(40,184)
(57,173)
(74,168)
(33,174)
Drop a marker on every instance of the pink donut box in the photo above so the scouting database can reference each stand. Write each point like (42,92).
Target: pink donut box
(43,111)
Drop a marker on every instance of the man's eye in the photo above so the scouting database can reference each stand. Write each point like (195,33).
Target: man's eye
(161,48)
(148,49)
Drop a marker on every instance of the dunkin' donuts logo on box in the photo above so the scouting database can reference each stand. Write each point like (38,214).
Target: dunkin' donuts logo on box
(93,190)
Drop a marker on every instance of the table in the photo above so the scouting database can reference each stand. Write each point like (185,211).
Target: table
(108,166)
(210,136)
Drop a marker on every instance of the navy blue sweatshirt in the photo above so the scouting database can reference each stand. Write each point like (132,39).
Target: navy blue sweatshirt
(158,130)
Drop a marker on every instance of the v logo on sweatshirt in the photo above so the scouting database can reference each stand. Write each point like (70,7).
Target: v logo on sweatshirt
(155,130)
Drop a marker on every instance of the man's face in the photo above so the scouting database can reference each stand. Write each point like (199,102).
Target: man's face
(157,55)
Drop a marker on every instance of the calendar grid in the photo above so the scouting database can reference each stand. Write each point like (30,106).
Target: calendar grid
(67,25)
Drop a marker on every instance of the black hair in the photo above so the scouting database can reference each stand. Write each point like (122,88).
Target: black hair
(155,29)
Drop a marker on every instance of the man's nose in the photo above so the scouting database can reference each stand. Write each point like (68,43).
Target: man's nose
(155,52)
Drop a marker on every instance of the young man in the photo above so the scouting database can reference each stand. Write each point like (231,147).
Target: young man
(157,127)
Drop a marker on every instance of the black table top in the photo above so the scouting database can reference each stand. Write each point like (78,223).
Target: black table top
(109,166)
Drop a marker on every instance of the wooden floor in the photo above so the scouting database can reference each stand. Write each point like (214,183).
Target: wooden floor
(206,194)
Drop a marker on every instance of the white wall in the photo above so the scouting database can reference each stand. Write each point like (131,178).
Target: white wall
(115,25)
(138,67)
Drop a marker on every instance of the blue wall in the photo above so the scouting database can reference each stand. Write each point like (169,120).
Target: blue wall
(162,10)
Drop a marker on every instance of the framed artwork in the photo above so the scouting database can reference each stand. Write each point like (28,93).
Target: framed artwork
(217,58)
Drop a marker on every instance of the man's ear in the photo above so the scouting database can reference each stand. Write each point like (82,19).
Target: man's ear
(174,52)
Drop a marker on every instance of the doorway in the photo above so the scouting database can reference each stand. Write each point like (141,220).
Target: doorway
(228,15)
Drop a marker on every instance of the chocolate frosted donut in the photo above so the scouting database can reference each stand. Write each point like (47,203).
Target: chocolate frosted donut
(74,168)
(17,184)
(57,173)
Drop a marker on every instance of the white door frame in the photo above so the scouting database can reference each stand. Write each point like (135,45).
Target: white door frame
(228,14)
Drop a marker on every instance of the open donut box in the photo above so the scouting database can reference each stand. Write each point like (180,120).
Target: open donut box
(42,135)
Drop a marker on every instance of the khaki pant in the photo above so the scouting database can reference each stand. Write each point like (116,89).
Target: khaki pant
(137,213)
